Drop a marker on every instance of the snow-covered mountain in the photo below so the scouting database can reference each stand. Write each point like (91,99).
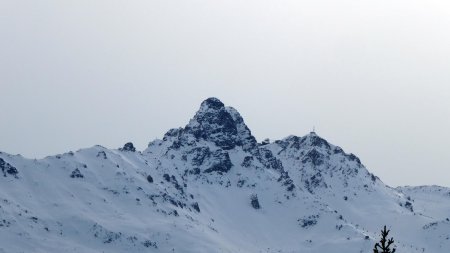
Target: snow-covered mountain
(211,187)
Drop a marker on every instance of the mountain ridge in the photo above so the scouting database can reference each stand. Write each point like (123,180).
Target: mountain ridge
(211,187)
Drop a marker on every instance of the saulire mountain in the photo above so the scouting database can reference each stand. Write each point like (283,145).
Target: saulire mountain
(211,187)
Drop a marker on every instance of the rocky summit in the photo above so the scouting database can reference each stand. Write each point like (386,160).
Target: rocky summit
(217,124)
(211,187)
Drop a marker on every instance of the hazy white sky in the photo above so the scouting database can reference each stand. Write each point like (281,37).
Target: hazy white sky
(372,76)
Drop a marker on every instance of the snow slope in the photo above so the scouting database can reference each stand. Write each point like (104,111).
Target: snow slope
(210,187)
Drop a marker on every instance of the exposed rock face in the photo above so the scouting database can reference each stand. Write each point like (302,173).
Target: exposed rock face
(76,174)
(222,162)
(254,201)
(218,124)
(8,169)
(128,147)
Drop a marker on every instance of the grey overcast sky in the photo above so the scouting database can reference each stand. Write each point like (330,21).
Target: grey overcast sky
(372,76)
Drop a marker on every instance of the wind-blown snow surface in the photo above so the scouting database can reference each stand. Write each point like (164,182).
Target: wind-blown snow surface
(210,187)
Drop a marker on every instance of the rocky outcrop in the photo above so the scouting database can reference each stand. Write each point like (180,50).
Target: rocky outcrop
(8,169)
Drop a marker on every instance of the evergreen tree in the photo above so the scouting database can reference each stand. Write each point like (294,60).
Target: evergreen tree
(384,245)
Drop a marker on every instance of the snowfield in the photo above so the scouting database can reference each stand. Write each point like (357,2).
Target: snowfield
(210,187)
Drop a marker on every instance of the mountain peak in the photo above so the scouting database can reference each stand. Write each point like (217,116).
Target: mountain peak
(213,103)
(316,141)
(311,140)
(221,125)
